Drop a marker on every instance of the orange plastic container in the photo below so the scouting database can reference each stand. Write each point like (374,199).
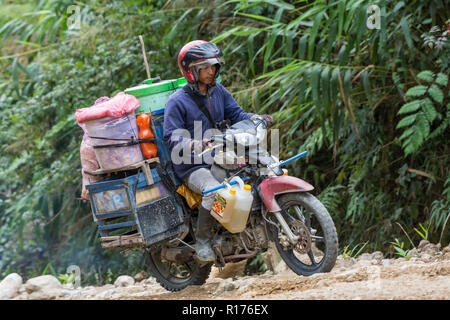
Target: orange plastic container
(149,149)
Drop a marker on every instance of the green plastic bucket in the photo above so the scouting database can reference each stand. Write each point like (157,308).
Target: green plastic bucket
(153,96)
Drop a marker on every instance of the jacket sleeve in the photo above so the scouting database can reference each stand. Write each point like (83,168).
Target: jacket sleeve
(173,124)
(232,110)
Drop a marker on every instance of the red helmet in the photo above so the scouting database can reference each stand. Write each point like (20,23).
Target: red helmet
(198,53)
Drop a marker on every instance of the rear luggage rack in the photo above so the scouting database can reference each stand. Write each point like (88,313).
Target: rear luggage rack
(133,240)
(135,211)
(143,165)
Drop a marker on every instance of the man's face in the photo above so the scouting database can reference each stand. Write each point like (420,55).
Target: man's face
(206,74)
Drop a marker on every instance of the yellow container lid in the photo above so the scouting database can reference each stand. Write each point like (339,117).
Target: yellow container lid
(247,187)
(232,191)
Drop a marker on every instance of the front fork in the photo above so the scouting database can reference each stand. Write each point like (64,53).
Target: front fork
(292,237)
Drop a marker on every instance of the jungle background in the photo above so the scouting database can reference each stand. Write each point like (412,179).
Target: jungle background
(369,105)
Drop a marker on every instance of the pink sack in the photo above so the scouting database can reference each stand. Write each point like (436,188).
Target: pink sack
(88,159)
(118,106)
(121,104)
(88,163)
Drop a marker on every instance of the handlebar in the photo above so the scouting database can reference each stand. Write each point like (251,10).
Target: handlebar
(219,187)
(292,159)
(271,167)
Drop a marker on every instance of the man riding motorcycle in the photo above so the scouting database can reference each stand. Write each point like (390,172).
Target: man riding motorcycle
(205,100)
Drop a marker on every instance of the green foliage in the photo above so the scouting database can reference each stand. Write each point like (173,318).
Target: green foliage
(423,233)
(336,96)
(347,253)
(66,278)
(331,197)
(423,111)
(400,250)
(370,106)
(440,209)
(255,265)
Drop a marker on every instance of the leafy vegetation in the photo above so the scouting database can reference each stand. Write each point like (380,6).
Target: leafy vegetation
(400,249)
(347,253)
(369,105)
(423,111)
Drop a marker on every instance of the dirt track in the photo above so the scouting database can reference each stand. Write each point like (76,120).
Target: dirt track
(426,275)
(401,280)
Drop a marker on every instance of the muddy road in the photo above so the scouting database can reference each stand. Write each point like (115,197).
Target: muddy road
(424,275)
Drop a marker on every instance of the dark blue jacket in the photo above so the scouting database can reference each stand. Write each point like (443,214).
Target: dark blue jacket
(181,112)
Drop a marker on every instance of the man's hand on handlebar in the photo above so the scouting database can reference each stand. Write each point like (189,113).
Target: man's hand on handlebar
(198,146)
(266,117)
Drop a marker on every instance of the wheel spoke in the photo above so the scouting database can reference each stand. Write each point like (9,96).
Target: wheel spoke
(170,268)
(308,221)
(178,271)
(163,267)
(317,239)
(188,267)
(311,257)
(299,213)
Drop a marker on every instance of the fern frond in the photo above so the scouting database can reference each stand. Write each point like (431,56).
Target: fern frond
(422,112)
(436,93)
(429,110)
(407,121)
(410,107)
(416,91)
(442,127)
(426,75)
(442,79)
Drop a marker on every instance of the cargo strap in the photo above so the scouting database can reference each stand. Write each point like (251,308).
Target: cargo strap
(132,141)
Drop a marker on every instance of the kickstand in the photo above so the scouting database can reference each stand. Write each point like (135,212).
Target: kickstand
(220,261)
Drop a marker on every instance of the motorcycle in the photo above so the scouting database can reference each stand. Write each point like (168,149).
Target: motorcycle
(283,212)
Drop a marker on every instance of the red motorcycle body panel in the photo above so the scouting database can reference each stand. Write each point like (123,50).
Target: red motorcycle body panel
(273,186)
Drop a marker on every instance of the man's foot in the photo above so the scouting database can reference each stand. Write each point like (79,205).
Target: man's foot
(204,235)
(204,251)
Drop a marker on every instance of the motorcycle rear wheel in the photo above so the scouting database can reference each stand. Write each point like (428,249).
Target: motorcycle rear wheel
(322,237)
(175,277)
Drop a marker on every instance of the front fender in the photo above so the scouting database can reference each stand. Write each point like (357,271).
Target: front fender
(274,186)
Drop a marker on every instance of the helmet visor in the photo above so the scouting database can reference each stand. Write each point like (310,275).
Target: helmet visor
(207,62)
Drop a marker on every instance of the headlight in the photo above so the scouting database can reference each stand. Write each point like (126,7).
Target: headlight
(246,139)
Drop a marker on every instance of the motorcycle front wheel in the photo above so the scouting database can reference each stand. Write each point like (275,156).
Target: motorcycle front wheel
(317,248)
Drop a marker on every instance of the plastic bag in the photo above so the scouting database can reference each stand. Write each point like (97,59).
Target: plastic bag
(193,199)
(88,159)
(109,131)
(118,106)
(88,163)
